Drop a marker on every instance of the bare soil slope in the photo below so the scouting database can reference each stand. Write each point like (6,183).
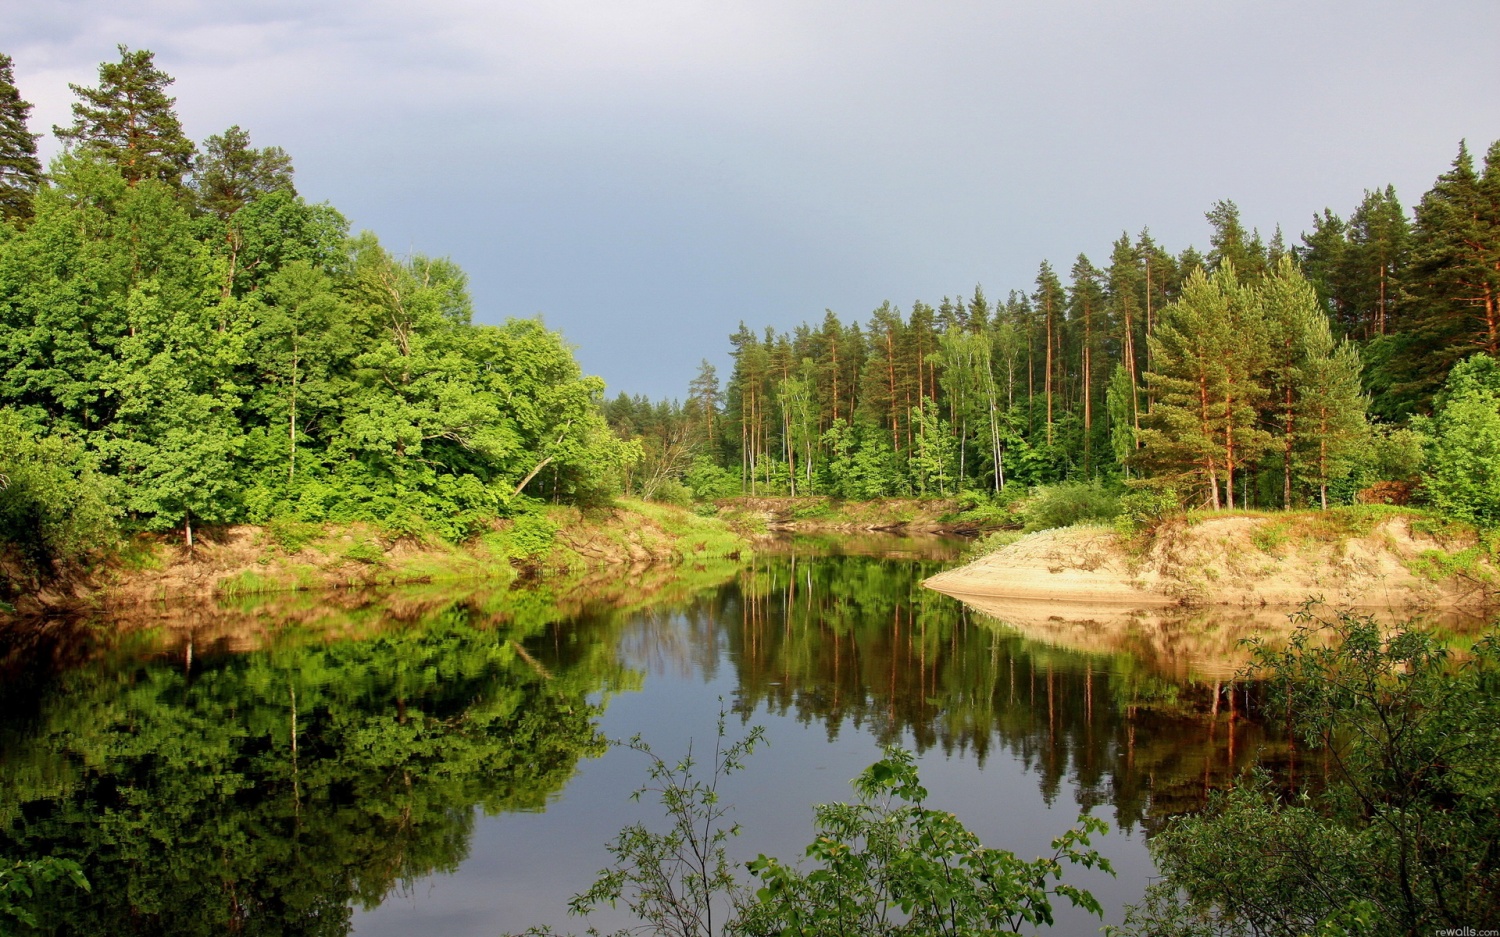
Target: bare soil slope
(1390,561)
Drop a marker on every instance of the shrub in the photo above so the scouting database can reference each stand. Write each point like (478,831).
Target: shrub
(55,508)
(291,534)
(671,491)
(1068,503)
(530,535)
(1401,842)
(709,481)
(1145,506)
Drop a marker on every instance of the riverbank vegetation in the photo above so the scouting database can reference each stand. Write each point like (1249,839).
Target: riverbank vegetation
(189,342)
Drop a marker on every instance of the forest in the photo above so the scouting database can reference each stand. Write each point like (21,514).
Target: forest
(187,341)
(1258,374)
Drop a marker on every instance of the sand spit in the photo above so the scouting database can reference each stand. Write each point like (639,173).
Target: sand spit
(1239,561)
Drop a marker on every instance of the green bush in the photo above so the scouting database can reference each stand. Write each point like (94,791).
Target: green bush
(19,881)
(1145,506)
(671,491)
(55,508)
(709,481)
(1068,503)
(1463,451)
(1401,841)
(291,534)
(366,552)
(530,536)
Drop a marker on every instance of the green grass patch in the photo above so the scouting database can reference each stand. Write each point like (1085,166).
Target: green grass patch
(137,554)
(250,582)
(365,551)
(1438,565)
(991,543)
(697,536)
(291,534)
(813,509)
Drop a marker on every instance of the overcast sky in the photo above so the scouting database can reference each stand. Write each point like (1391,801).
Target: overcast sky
(647,174)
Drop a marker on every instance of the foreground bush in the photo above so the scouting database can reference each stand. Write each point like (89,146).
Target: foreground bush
(883,866)
(1404,839)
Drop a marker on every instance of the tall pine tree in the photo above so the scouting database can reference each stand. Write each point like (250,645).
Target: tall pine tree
(20,171)
(130,120)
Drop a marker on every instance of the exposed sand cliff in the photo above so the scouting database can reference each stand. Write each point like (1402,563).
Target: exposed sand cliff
(1242,561)
(1183,601)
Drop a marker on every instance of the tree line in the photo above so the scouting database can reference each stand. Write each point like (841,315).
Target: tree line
(185,340)
(1255,374)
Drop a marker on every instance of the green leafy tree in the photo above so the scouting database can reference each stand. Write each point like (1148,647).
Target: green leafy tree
(20,170)
(1462,476)
(934,456)
(887,865)
(891,865)
(130,120)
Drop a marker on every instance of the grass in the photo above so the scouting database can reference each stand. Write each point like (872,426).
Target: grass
(251,582)
(1438,565)
(696,536)
(140,553)
(991,543)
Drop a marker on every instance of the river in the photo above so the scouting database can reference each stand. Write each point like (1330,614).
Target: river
(435,759)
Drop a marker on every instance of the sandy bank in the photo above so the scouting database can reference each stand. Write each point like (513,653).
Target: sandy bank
(1344,560)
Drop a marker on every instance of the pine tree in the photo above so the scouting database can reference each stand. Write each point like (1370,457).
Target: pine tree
(130,120)
(1332,408)
(1124,284)
(231,174)
(1086,309)
(1379,247)
(1231,244)
(20,170)
(703,399)
(1048,305)
(1455,266)
(1291,312)
(1323,256)
(1207,355)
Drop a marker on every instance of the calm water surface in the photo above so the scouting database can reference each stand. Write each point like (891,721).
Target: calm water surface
(434,760)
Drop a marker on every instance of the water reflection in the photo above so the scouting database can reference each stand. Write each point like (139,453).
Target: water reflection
(855,643)
(266,766)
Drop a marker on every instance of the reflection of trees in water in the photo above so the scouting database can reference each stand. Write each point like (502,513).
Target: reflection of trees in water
(854,639)
(268,792)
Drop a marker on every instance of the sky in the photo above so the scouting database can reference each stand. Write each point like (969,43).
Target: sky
(647,175)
